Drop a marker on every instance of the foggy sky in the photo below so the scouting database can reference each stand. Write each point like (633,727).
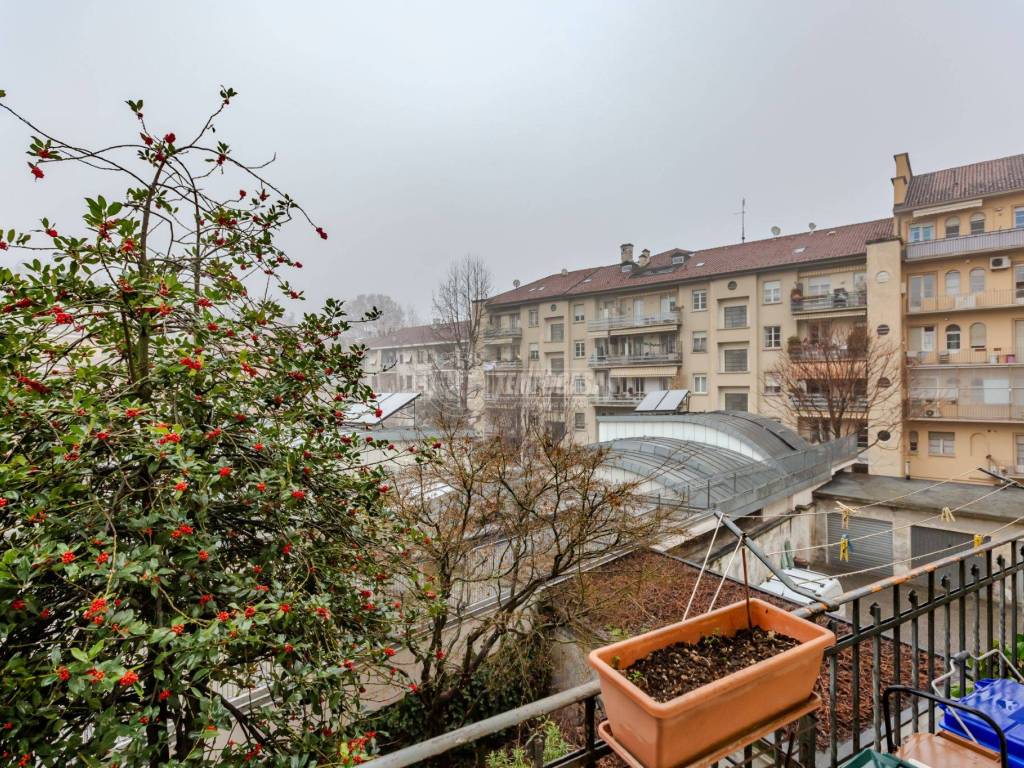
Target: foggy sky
(537,135)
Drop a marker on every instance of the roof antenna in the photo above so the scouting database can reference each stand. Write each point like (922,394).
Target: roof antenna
(742,213)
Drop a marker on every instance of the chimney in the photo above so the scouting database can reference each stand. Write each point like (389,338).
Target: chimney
(627,253)
(901,180)
(645,257)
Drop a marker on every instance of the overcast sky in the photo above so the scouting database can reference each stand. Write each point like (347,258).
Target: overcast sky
(538,135)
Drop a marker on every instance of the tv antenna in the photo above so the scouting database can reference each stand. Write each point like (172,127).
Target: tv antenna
(742,213)
(812,226)
(776,231)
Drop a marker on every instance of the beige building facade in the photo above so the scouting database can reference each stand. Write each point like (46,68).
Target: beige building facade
(942,279)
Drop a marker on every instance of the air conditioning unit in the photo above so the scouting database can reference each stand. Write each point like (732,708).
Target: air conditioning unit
(933,413)
(999,262)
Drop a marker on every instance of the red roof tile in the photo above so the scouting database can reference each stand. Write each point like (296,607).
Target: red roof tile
(821,245)
(990,177)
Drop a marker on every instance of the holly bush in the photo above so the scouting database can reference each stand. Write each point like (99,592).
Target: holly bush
(196,554)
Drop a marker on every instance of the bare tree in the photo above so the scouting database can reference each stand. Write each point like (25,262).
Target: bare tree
(841,382)
(377,314)
(501,519)
(459,313)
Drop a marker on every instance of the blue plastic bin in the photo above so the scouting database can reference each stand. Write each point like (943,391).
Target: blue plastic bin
(1003,701)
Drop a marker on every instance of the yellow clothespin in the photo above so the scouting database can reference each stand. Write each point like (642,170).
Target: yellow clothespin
(947,515)
(846,512)
(844,549)
(978,540)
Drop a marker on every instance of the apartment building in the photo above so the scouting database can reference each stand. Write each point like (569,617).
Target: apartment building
(943,278)
(415,359)
(711,321)
(963,235)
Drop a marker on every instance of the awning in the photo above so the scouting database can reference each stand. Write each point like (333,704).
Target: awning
(644,371)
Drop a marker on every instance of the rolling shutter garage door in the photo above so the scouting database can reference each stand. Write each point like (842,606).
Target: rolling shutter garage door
(866,553)
(930,544)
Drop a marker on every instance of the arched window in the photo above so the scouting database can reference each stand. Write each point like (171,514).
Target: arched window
(977,223)
(952,337)
(977,280)
(978,335)
(953,226)
(953,282)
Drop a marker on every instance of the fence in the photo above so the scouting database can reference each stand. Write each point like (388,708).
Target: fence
(967,602)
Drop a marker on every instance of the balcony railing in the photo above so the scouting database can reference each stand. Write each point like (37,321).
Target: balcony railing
(821,404)
(965,357)
(967,602)
(633,321)
(830,301)
(966,407)
(503,365)
(986,242)
(1007,297)
(622,399)
(819,351)
(502,332)
(646,358)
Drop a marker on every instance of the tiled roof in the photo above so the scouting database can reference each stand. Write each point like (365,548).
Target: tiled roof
(975,180)
(821,245)
(408,337)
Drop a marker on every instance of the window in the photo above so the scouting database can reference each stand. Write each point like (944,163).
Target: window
(953,283)
(579,385)
(678,258)
(882,330)
(1018,216)
(977,223)
(700,383)
(579,421)
(942,444)
(773,337)
(953,337)
(734,316)
(700,341)
(534,351)
(819,286)
(557,364)
(556,332)
(912,441)
(668,303)
(978,335)
(732,285)
(532,316)
(773,292)
(577,313)
(772,385)
(735,401)
(953,226)
(922,338)
(734,360)
(700,300)
(580,349)
(977,279)
(921,232)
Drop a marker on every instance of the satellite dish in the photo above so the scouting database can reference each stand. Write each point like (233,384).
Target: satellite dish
(515,283)
(776,231)
(812,226)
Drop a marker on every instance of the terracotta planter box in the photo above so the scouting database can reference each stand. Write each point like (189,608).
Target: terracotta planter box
(676,732)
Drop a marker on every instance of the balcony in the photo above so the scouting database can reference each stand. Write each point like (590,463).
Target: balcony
(616,322)
(986,242)
(503,365)
(646,358)
(837,300)
(908,628)
(955,409)
(1007,297)
(968,357)
(607,398)
(820,404)
(493,334)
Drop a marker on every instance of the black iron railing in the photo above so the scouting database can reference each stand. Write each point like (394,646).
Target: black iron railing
(900,630)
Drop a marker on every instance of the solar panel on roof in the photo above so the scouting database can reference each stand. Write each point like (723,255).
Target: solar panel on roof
(674,399)
(651,401)
(388,402)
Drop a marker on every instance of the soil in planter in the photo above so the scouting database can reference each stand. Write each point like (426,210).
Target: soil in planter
(676,669)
